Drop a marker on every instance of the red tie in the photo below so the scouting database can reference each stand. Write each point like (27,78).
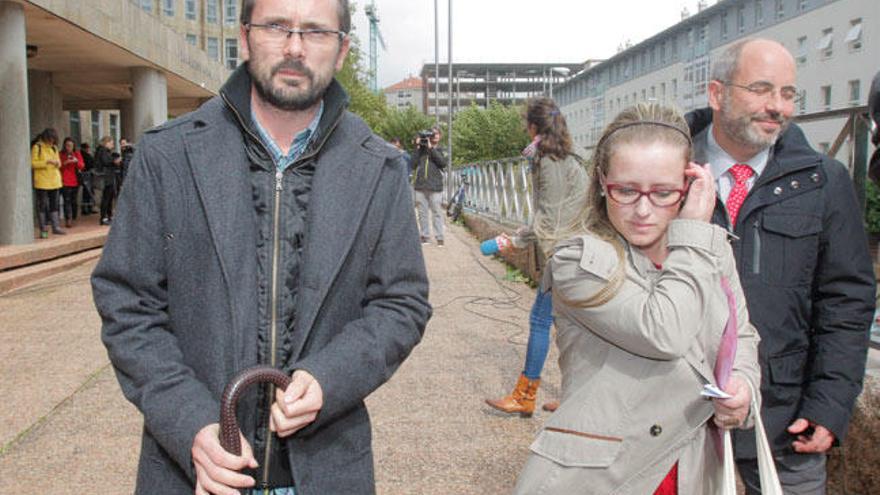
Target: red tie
(741,173)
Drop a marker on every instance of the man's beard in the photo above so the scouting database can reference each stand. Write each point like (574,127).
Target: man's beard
(285,96)
(740,129)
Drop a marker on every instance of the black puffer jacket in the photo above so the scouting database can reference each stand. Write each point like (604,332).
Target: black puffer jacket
(428,165)
(802,257)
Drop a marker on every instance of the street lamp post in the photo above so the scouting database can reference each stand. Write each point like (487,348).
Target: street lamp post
(563,71)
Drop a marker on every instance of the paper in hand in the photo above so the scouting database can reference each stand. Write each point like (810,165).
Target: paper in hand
(714,392)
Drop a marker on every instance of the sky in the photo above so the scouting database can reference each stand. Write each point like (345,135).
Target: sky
(496,31)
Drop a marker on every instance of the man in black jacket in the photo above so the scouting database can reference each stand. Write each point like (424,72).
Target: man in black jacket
(428,164)
(802,257)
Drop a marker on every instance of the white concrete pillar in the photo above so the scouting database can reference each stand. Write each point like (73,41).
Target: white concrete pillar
(16,195)
(46,106)
(149,100)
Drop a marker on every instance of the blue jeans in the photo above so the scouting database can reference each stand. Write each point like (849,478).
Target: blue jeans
(540,320)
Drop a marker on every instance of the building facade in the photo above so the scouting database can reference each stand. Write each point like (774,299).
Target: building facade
(407,93)
(481,84)
(90,68)
(831,40)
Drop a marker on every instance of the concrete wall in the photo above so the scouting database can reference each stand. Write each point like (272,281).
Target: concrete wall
(125,24)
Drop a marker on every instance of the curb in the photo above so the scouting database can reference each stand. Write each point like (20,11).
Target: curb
(19,277)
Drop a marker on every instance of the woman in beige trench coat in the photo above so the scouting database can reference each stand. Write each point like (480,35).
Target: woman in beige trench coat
(641,301)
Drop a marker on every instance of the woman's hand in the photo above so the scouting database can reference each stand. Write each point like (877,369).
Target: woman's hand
(732,412)
(700,201)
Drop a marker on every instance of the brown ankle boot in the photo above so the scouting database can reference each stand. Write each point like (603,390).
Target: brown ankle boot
(551,406)
(521,400)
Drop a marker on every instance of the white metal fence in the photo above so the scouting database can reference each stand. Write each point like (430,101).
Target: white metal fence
(498,189)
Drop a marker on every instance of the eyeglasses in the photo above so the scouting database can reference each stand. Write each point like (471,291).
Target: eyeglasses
(764,89)
(278,34)
(660,197)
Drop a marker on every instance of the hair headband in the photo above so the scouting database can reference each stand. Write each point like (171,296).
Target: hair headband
(554,113)
(645,122)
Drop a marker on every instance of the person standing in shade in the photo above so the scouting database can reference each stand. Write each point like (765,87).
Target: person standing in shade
(71,166)
(270,226)
(802,256)
(559,189)
(46,163)
(107,163)
(87,180)
(428,164)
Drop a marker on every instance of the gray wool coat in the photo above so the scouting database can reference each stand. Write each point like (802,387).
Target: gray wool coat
(176,289)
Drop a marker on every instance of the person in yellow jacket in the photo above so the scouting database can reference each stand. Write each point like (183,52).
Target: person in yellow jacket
(47,180)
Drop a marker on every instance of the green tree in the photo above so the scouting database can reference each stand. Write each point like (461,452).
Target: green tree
(354,78)
(404,124)
(492,133)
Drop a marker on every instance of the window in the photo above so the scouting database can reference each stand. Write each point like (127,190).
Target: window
(854,91)
(741,19)
(212,46)
(759,12)
(75,130)
(825,91)
(230,15)
(652,56)
(825,45)
(147,5)
(644,95)
(96,127)
(675,88)
(853,38)
(802,101)
(168,7)
(801,57)
(724,25)
(802,5)
(653,93)
(192,39)
(780,9)
(675,47)
(211,11)
(663,91)
(663,53)
(189,8)
(232,55)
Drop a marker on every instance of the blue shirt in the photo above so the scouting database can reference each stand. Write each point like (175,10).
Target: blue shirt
(299,144)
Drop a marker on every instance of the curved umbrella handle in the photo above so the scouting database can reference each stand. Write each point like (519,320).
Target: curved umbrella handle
(229,430)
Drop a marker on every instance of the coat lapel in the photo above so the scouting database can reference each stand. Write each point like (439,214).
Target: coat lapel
(346,175)
(218,163)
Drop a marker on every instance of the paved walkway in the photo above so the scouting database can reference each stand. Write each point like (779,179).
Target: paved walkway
(65,427)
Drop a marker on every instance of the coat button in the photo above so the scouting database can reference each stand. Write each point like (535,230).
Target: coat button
(795,184)
(777,191)
(656,430)
(814,177)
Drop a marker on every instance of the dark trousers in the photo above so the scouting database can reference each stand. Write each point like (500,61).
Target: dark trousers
(47,203)
(70,202)
(88,194)
(799,474)
(108,194)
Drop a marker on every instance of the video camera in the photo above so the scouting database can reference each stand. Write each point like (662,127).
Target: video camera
(425,137)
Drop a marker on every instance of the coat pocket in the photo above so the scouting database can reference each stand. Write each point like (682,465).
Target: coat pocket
(789,248)
(573,448)
(788,369)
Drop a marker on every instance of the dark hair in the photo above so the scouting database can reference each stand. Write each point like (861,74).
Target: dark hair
(49,135)
(342,11)
(84,146)
(551,126)
(64,144)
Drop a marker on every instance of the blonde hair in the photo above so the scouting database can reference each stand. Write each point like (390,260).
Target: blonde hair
(642,124)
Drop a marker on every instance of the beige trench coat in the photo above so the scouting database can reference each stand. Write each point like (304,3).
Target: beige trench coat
(633,368)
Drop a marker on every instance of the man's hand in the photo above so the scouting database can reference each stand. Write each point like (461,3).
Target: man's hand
(216,469)
(732,412)
(700,201)
(819,440)
(297,406)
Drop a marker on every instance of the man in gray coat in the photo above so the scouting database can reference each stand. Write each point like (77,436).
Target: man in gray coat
(270,226)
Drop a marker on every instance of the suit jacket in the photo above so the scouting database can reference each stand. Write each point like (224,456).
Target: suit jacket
(633,367)
(176,289)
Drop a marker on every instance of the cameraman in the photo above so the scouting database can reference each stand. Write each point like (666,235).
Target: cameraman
(428,163)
